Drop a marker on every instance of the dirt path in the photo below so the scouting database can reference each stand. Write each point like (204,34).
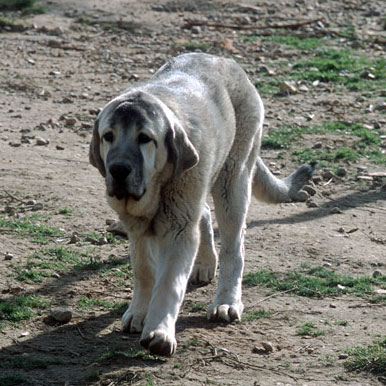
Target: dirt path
(68,63)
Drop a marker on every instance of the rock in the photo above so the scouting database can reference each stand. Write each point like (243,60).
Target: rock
(196,30)
(316,180)
(312,204)
(42,141)
(369,109)
(367,75)
(310,190)
(287,88)
(74,238)
(268,346)
(302,196)
(341,172)
(103,241)
(303,88)
(8,256)
(332,305)
(377,273)
(336,210)
(328,174)
(380,106)
(70,121)
(343,356)
(59,147)
(62,314)
(341,287)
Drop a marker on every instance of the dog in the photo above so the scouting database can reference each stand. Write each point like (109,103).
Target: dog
(163,146)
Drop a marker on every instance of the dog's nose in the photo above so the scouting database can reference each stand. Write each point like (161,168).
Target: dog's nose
(120,171)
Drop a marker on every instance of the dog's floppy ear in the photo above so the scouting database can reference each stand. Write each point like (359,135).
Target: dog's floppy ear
(181,151)
(94,154)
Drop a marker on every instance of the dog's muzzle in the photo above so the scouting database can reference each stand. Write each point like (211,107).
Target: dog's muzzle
(123,183)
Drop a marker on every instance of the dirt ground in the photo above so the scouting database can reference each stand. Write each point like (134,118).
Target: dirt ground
(56,74)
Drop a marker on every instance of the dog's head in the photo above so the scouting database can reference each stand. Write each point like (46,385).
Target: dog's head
(135,137)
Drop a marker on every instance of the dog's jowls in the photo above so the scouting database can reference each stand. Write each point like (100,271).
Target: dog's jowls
(163,146)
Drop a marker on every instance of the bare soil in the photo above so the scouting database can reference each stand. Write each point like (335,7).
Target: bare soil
(59,69)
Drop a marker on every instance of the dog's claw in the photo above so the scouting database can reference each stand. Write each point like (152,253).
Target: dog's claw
(159,343)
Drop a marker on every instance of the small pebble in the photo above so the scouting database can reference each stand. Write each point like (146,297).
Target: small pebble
(377,273)
(317,145)
(42,142)
(343,356)
(8,256)
(336,210)
(287,88)
(341,172)
(62,314)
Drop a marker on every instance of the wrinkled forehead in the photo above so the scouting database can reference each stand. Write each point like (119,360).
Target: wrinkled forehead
(129,111)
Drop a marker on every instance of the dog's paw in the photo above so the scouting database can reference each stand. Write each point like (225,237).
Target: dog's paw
(159,342)
(225,312)
(203,273)
(132,322)
(298,179)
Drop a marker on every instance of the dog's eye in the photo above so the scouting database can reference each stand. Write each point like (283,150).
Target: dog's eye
(143,138)
(108,137)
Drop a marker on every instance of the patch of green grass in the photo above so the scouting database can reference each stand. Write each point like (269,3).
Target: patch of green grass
(11,25)
(108,25)
(14,380)
(132,353)
(26,362)
(87,304)
(21,308)
(193,46)
(370,359)
(297,42)
(315,282)
(193,341)
(343,323)
(30,226)
(330,156)
(15,5)
(198,307)
(343,67)
(366,142)
(378,299)
(250,315)
(27,7)
(309,329)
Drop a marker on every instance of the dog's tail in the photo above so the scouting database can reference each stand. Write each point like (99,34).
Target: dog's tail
(266,187)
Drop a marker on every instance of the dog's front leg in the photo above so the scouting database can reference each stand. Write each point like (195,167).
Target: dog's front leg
(175,256)
(143,268)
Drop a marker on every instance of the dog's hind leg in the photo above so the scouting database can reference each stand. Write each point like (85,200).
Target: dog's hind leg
(205,266)
(231,195)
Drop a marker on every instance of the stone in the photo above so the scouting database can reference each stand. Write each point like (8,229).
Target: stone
(341,172)
(310,190)
(288,88)
(8,256)
(42,141)
(336,210)
(302,196)
(70,121)
(62,314)
(380,106)
(328,174)
(377,273)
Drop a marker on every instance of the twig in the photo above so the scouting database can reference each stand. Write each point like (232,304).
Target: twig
(191,23)
(276,294)
(13,197)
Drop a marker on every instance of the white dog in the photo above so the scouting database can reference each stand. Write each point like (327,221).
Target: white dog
(163,146)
